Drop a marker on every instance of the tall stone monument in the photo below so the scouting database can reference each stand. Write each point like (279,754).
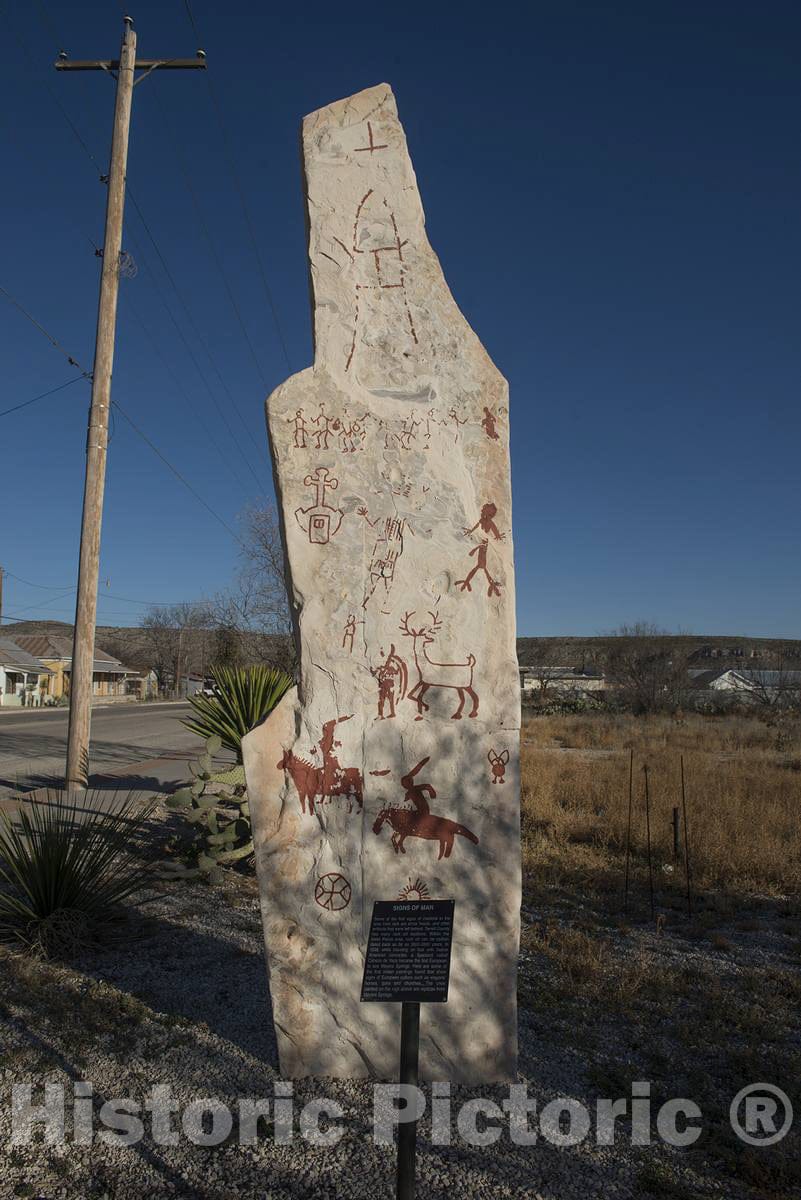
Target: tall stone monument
(392,770)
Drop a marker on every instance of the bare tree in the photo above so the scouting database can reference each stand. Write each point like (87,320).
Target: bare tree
(777,686)
(549,665)
(255,611)
(177,636)
(648,667)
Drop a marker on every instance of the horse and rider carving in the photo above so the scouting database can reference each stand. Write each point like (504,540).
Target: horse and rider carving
(419,821)
(324,783)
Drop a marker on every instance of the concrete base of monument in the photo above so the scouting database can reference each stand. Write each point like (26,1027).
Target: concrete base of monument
(316,920)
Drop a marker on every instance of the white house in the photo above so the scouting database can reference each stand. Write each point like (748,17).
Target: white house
(21,676)
(561,681)
(767,685)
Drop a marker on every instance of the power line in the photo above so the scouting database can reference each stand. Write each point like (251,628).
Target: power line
(27,620)
(211,244)
(54,97)
(176,473)
(193,356)
(212,439)
(197,334)
(57,345)
(24,145)
(130,421)
(47,22)
(101,595)
(44,586)
(241,193)
(77,135)
(41,396)
(45,603)
(182,390)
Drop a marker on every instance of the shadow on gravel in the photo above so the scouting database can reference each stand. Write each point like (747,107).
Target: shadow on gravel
(194,975)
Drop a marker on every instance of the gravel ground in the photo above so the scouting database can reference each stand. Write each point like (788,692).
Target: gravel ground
(183,1002)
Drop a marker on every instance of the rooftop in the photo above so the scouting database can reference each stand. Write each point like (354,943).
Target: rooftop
(12,655)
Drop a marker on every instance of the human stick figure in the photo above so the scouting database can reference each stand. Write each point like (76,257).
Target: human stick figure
(392,677)
(299,425)
(493,586)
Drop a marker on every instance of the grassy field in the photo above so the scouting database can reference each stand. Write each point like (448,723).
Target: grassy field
(700,1004)
(743,788)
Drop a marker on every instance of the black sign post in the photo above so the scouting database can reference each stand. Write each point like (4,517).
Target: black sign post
(408,961)
(407,1133)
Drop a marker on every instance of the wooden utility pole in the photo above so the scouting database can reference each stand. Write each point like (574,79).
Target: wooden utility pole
(1,595)
(83,649)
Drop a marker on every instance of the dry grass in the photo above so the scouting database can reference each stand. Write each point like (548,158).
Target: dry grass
(646,735)
(743,805)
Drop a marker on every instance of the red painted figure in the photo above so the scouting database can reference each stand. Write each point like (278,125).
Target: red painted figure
(488,425)
(487,522)
(493,586)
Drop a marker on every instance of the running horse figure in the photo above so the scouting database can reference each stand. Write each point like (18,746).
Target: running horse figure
(421,823)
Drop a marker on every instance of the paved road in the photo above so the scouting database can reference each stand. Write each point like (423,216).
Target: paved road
(141,746)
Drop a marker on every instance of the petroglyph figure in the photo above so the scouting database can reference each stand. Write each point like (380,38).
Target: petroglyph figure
(320,520)
(433,674)
(420,822)
(393,678)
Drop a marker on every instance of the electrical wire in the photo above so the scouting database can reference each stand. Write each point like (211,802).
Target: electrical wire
(213,441)
(195,415)
(195,330)
(116,404)
(87,151)
(48,587)
(165,123)
(45,603)
(135,427)
(241,192)
(57,345)
(193,357)
(48,24)
(16,407)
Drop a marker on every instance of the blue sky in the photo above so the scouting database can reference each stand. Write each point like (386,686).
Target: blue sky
(614,194)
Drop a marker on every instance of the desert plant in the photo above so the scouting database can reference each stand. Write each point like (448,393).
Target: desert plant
(218,806)
(242,697)
(65,869)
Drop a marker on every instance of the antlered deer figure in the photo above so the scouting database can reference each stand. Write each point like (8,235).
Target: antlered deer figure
(432,674)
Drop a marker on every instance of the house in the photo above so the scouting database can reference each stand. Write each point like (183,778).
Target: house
(142,685)
(23,678)
(108,675)
(766,686)
(562,681)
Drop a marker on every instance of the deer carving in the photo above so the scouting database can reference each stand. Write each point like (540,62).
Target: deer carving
(433,674)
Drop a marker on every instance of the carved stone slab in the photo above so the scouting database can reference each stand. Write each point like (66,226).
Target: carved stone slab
(393,769)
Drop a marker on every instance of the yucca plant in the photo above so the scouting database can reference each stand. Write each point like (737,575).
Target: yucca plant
(65,869)
(243,696)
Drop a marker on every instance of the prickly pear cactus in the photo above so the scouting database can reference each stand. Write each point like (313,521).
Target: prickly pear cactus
(218,806)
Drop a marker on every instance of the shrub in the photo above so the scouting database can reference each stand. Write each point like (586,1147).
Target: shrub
(66,869)
(218,806)
(243,696)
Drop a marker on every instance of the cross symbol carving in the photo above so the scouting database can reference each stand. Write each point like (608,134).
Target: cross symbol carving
(321,482)
(372,146)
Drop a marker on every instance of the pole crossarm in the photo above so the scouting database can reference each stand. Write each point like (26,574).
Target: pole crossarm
(142,64)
